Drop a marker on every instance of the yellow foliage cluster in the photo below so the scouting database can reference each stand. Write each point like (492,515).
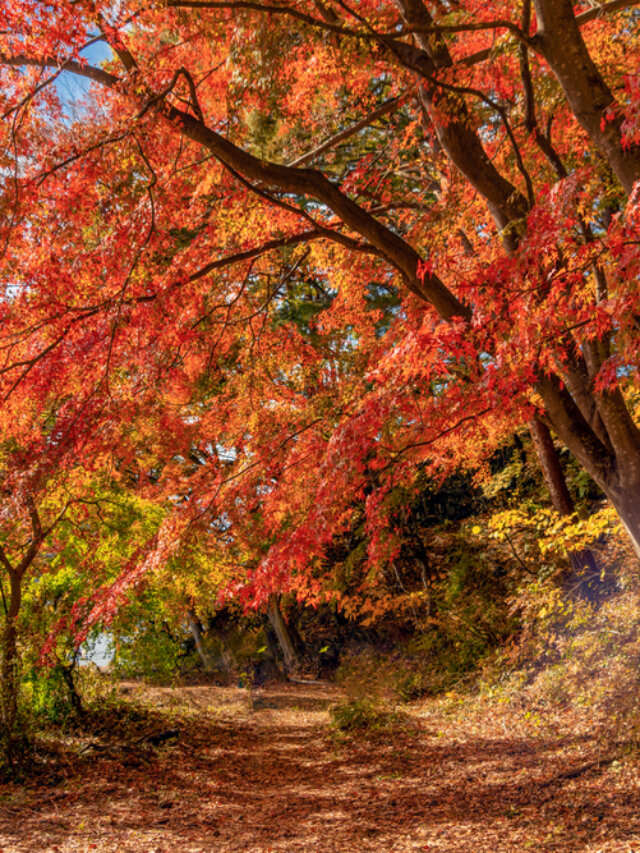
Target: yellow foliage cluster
(556,535)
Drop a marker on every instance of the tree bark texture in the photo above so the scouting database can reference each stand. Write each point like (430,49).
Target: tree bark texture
(10,675)
(279,626)
(583,562)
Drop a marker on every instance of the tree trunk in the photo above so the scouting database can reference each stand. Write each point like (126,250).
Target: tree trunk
(550,466)
(596,429)
(74,696)
(278,624)
(627,504)
(614,466)
(455,129)
(583,562)
(196,633)
(9,675)
(591,101)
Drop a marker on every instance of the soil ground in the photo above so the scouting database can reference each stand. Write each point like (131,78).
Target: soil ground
(262,771)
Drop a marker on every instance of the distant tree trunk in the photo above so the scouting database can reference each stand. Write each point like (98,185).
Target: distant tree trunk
(291,660)
(582,561)
(551,468)
(196,632)
(74,697)
(273,646)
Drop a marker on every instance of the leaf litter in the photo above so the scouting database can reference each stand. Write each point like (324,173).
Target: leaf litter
(202,769)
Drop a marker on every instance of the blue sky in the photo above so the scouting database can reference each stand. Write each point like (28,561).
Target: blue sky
(72,88)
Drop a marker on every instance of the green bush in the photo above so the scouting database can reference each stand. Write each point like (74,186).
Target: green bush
(149,653)
(359,715)
(47,696)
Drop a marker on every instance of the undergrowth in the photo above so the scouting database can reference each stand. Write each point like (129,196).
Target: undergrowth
(569,656)
(359,716)
(581,656)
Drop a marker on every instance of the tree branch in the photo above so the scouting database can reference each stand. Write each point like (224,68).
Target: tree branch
(385,108)
(395,250)
(72,65)
(269,9)
(605,9)
(5,561)
(581,19)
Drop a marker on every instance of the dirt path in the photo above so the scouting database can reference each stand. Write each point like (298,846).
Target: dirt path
(268,775)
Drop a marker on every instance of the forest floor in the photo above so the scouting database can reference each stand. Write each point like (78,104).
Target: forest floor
(264,771)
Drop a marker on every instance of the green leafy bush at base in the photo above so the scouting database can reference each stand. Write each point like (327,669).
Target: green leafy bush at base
(16,754)
(47,695)
(359,715)
(151,654)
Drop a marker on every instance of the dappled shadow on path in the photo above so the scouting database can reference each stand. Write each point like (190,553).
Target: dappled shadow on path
(273,779)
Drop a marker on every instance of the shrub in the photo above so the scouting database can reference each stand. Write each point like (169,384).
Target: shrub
(360,716)
(46,693)
(149,652)
(589,656)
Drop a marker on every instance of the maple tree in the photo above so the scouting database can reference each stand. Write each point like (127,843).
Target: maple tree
(67,525)
(41,483)
(460,259)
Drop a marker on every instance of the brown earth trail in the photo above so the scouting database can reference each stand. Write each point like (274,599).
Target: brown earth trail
(263,772)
